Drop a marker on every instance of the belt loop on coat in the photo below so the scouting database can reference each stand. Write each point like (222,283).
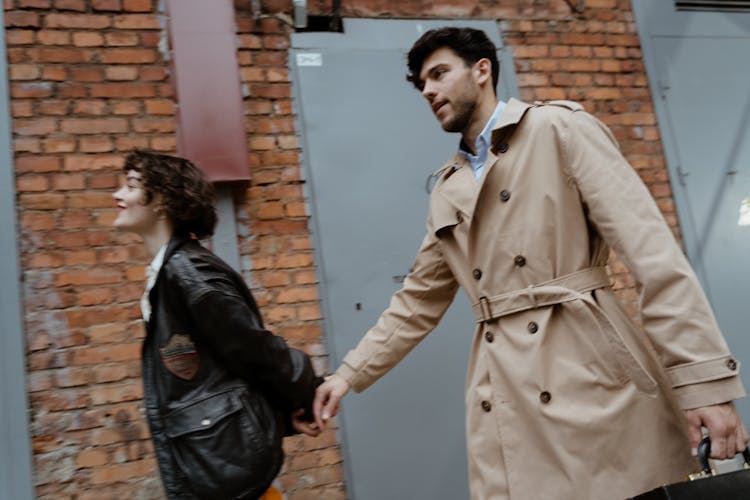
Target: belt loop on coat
(484,309)
(530,293)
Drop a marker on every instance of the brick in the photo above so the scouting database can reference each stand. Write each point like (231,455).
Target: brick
(19,37)
(24,71)
(53,37)
(68,181)
(22,109)
(159,107)
(87,74)
(127,56)
(123,90)
(59,145)
(136,22)
(106,5)
(90,107)
(297,294)
(94,126)
(91,458)
(137,5)
(153,125)
(106,353)
(33,90)
(262,143)
(59,55)
(109,393)
(79,257)
(91,199)
(53,107)
(153,74)
(111,373)
(72,377)
(21,19)
(164,144)
(271,90)
(74,5)
(38,164)
(129,143)
(95,144)
(38,221)
(122,472)
(26,145)
(121,73)
(77,21)
(125,108)
(297,209)
(55,74)
(121,39)
(32,183)
(88,39)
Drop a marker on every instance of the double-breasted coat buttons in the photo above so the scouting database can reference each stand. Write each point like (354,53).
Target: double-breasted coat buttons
(489,336)
(532,327)
(504,195)
(486,405)
(732,364)
(502,148)
(545,397)
(477,273)
(519,261)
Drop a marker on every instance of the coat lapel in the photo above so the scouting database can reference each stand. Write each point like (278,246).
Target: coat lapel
(457,188)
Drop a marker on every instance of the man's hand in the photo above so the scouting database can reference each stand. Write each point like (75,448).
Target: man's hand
(327,397)
(303,426)
(725,428)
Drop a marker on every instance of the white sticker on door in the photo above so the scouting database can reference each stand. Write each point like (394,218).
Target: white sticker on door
(744,212)
(310,59)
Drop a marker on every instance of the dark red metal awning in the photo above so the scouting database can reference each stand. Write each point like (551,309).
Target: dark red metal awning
(205,75)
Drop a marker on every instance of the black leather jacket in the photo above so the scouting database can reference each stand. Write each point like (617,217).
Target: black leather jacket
(218,387)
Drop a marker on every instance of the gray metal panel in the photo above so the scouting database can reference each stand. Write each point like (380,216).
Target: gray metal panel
(15,448)
(224,243)
(369,143)
(699,80)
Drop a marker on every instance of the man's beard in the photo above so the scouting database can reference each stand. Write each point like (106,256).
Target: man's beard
(464,111)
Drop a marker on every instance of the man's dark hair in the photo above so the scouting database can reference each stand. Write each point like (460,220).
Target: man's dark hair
(469,44)
(187,195)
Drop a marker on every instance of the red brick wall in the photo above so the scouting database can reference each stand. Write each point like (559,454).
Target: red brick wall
(88,84)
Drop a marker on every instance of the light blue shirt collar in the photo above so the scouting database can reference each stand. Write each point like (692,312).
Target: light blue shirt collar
(482,144)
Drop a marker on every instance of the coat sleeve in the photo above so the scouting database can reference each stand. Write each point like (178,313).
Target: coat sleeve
(227,320)
(414,311)
(675,312)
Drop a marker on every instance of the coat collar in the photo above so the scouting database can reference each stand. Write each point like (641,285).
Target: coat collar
(511,116)
(456,183)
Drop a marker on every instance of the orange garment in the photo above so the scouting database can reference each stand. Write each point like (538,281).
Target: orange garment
(271,494)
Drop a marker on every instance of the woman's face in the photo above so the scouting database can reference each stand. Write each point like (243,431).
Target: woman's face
(135,214)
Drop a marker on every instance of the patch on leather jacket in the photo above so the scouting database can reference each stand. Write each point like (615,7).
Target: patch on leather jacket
(180,357)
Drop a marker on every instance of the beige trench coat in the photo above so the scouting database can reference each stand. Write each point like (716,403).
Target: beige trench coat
(566,398)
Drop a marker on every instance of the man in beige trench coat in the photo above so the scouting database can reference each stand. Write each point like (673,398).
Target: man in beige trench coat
(566,398)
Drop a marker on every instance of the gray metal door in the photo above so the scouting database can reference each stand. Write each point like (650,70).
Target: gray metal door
(369,143)
(699,74)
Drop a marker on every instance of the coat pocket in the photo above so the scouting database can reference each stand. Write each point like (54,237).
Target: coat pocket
(227,445)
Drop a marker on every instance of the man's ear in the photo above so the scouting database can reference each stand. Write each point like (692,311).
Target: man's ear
(483,71)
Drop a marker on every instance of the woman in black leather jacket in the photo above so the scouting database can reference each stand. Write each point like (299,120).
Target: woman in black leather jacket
(220,390)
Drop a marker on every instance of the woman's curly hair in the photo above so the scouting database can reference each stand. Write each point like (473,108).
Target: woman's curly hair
(188,197)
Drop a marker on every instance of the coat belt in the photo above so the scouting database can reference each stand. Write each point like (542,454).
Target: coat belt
(548,293)
(567,288)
